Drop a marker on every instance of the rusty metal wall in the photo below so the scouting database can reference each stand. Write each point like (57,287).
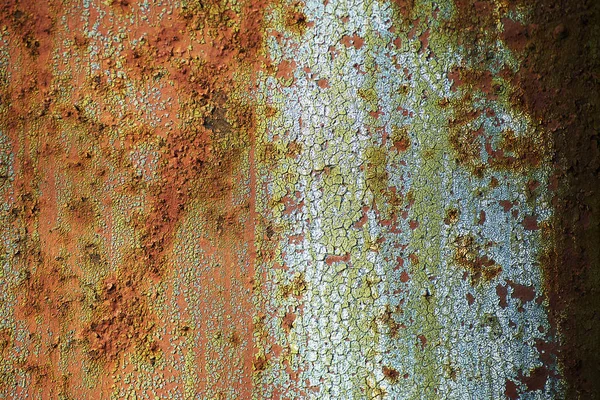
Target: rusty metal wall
(336,199)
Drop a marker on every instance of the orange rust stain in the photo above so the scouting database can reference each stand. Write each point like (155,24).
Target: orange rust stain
(323,83)
(66,156)
(286,69)
(288,321)
(331,259)
(353,41)
(404,277)
(122,320)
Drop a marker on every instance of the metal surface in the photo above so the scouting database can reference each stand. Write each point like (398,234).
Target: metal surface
(320,200)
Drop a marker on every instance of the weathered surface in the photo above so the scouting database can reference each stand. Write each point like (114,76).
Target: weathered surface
(323,199)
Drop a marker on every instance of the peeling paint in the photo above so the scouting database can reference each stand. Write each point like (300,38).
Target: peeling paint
(299,199)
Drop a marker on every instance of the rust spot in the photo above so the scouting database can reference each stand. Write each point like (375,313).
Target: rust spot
(518,153)
(494,182)
(260,363)
(473,80)
(323,83)
(521,292)
(405,8)
(515,34)
(331,259)
(530,223)
(502,292)
(5,339)
(511,152)
(288,321)
(121,318)
(424,39)
(296,287)
(353,41)
(451,216)
(388,320)
(400,138)
(511,390)
(470,299)
(295,20)
(390,373)
(481,219)
(414,259)
(473,25)
(468,254)
(404,277)
(465,141)
(422,341)
(294,149)
(536,380)
(506,205)
(285,69)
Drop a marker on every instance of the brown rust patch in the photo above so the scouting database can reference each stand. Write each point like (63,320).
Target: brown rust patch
(522,292)
(474,25)
(390,322)
(390,373)
(121,318)
(502,292)
(464,140)
(468,255)
(376,174)
(470,299)
(509,152)
(288,321)
(405,8)
(260,363)
(511,390)
(353,41)
(536,380)
(285,69)
(451,217)
(518,153)
(515,34)
(295,19)
(400,138)
(323,83)
(6,337)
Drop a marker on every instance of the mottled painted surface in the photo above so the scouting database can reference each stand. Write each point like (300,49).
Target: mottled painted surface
(299,200)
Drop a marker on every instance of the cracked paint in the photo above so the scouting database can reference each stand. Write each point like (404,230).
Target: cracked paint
(298,199)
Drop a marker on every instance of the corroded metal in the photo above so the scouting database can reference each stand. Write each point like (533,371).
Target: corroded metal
(323,199)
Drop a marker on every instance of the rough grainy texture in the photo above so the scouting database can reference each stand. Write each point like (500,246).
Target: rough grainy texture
(338,199)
